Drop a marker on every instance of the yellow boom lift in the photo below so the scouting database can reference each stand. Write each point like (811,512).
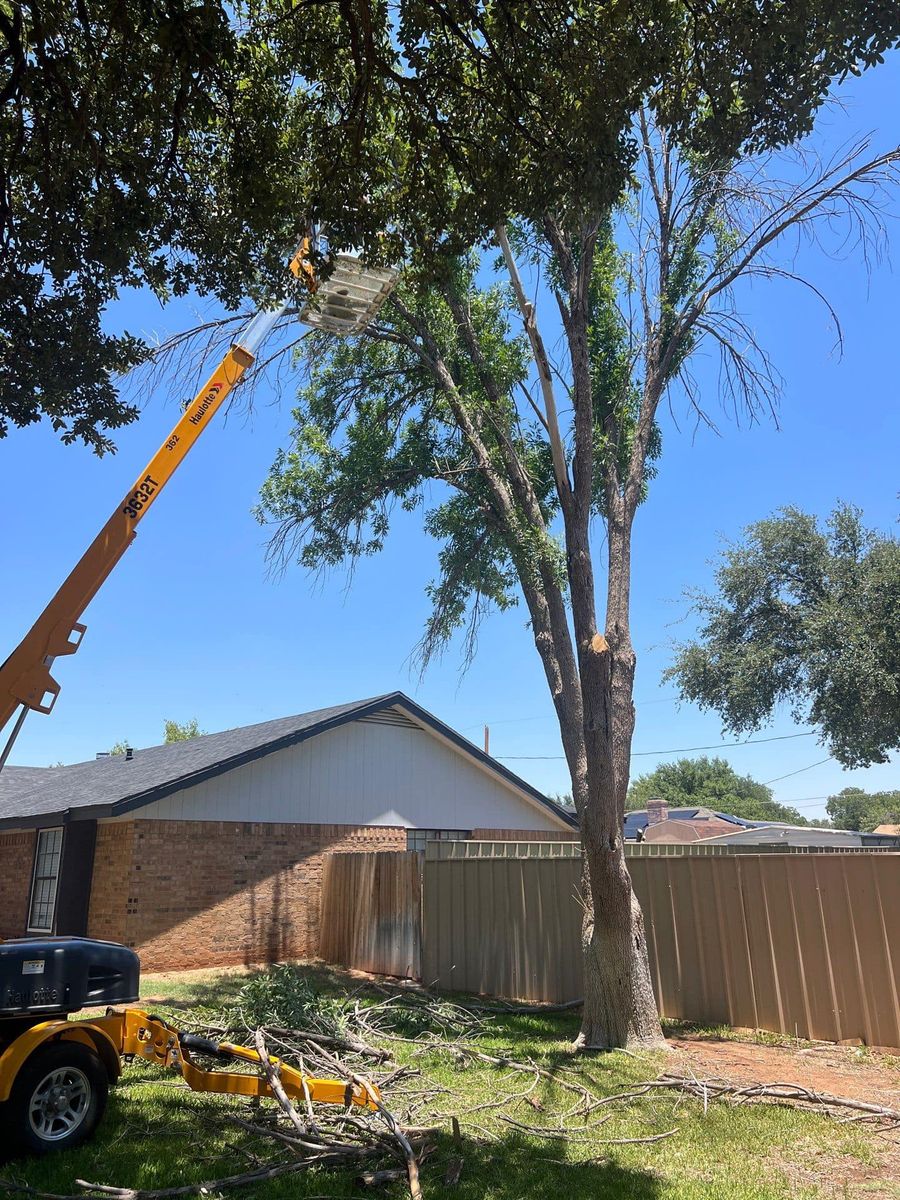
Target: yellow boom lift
(54,1073)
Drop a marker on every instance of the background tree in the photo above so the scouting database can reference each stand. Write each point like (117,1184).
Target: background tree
(446,403)
(854,808)
(807,617)
(710,783)
(173,731)
(182,731)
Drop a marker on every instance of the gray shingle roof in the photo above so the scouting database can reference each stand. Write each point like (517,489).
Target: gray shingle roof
(109,786)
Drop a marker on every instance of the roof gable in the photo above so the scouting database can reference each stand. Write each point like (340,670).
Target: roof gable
(114,785)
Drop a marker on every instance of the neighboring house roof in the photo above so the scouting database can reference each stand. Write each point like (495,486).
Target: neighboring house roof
(804,835)
(673,831)
(640,820)
(111,786)
(890,830)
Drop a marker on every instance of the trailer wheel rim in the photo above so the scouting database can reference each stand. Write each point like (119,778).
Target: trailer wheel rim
(59,1104)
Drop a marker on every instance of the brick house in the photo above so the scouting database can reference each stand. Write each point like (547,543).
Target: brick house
(209,852)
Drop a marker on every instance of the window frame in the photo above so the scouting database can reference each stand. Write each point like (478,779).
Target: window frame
(54,895)
(416,835)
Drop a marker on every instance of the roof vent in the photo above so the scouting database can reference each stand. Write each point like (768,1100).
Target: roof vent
(129,754)
(102,754)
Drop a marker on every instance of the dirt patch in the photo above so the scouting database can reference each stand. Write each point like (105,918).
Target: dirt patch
(841,1070)
(850,1072)
(840,1175)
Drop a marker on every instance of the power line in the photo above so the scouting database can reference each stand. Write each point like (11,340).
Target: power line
(784,737)
(552,716)
(778,778)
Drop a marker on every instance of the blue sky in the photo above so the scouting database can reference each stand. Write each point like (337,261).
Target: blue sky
(191,624)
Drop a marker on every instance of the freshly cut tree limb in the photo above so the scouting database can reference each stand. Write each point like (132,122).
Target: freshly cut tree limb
(412,1164)
(632,1141)
(394,1126)
(276,1085)
(247,1179)
(542,362)
(348,1043)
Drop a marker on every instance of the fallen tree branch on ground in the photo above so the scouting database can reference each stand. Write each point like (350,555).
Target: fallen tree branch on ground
(247,1179)
(791,1094)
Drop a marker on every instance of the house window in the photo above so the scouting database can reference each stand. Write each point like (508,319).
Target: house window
(416,838)
(47,855)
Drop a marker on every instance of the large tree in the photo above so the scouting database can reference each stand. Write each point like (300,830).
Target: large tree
(453,404)
(710,783)
(854,808)
(804,616)
(96,98)
(185,144)
(413,130)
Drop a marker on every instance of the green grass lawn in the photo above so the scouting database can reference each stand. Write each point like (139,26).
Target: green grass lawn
(158,1134)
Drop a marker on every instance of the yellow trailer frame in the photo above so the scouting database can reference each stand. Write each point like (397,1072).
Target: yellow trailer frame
(133,1033)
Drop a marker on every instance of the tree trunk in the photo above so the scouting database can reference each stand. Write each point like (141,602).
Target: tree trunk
(619,1005)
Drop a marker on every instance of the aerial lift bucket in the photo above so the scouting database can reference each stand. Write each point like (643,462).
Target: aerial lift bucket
(348,301)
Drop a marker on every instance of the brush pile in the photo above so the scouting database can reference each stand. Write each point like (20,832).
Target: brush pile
(355,1038)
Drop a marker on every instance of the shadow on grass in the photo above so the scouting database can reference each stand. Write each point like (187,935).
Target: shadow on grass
(159,1141)
(515,1166)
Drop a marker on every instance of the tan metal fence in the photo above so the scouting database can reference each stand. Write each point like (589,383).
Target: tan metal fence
(798,944)
(503,849)
(493,848)
(503,926)
(371,912)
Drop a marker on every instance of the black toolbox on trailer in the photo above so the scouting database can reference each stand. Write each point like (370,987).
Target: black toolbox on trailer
(53,976)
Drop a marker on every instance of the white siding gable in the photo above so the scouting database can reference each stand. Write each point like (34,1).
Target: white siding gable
(367,772)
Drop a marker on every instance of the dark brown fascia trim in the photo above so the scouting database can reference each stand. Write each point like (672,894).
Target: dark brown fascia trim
(50,820)
(140,799)
(391,700)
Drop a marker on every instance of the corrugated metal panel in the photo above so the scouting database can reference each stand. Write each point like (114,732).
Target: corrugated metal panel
(503,926)
(801,944)
(502,849)
(364,773)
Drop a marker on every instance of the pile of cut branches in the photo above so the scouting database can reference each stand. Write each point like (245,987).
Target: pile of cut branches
(354,1039)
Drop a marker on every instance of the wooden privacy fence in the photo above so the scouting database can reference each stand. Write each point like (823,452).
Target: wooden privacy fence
(371,912)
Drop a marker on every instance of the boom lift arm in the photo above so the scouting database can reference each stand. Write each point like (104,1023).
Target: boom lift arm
(347,301)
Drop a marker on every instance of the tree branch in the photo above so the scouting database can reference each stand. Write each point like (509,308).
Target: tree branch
(542,362)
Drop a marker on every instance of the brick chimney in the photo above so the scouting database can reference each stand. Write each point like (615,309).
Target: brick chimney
(657,810)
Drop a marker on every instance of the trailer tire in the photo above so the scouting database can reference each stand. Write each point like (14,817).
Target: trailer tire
(58,1098)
